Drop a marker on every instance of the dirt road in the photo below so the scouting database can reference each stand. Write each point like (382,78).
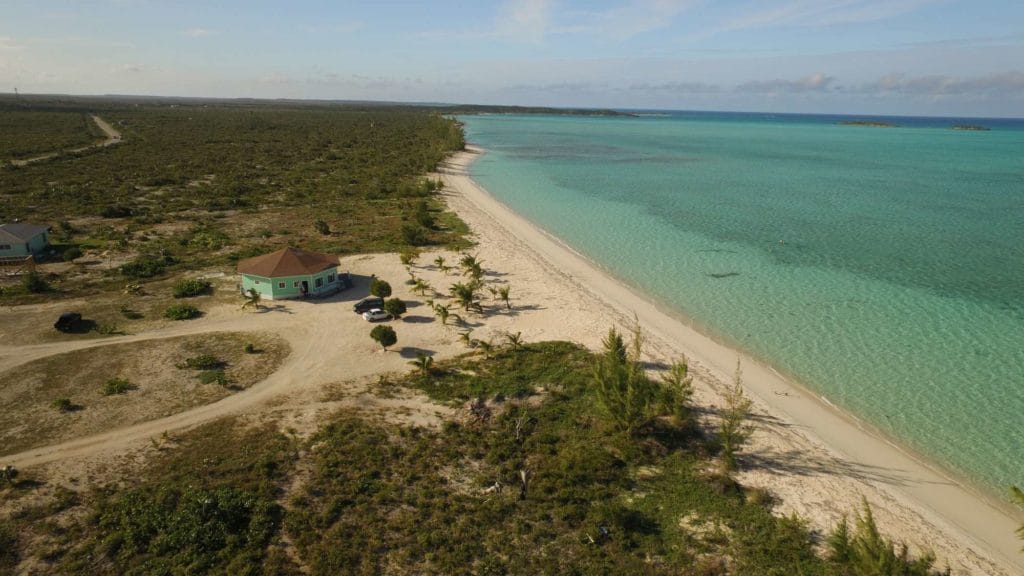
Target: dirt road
(113,137)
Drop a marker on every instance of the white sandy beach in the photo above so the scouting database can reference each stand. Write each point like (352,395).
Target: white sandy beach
(817,461)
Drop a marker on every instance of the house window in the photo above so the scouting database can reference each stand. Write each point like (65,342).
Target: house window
(5,246)
(319,282)
(280,284)
(295,284)
(256,281)
(330,278)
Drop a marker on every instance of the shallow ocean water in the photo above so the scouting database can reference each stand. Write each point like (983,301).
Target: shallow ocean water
(880,267)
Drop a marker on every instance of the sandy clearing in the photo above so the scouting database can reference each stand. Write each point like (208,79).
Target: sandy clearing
(818,461)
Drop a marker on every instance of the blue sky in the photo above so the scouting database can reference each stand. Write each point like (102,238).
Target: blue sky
(926,57)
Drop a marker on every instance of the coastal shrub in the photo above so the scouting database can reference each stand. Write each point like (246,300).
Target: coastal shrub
(213,377)
(72,253)
(250,348)
(190,288)
(384,335)
(203,362)
(423,216)
(380,288)
(64,405)
(865,551)
(414,235)
(117,386)
(395,307)
(116,211)
(624,392)
(181,312)
(322,227)
(142,268)
(35,283)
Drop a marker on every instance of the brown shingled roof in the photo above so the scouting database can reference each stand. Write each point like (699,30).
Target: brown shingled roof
(287,262)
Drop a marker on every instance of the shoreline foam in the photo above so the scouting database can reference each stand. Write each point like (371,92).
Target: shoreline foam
(816,458)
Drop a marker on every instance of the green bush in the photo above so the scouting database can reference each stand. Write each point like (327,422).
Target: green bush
(72,253)
(117,386)
(116,211)
(190,288)
(414,235)
(35,283)
(384,335)
(250,348)
(395,307)
(64,404)
(213,377)
(182,312)
(203,362)
(380,288)
(142,268)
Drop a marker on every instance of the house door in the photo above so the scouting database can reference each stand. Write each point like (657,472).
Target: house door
(305,288)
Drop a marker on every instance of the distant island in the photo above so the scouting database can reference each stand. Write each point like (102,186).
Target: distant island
(870,123)
(971,127)
(472,109)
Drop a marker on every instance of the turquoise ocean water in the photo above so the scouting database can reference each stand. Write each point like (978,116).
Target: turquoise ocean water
(881,267)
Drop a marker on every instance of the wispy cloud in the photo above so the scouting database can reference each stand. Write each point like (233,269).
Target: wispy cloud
(633,18)
(200,32)
(677,88)
(338,28)
(819,82)
(524,19)
(821,13)
(8,44)
(938,85)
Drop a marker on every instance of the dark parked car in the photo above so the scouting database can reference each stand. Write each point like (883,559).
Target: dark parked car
(67,321)
(368,303)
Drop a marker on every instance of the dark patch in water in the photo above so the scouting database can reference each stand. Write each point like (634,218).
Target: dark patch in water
(719,250)
(722,274)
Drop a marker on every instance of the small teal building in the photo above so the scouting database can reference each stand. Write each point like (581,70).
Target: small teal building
(19,240)
(290,273)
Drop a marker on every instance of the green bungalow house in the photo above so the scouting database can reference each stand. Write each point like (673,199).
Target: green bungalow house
(290,273)
(18,240)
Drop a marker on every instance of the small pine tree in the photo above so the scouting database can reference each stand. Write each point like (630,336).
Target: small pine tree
(322,227)
(734,429)
(624,392)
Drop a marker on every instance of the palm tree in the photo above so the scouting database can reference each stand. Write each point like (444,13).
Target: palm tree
(408,257)
(252,298)
(1018,495)
(443,312)
(465,294)
(486,347)
(471,266)
(440,263)
(503,294)
(465,339)
(421,286)
(424,362)
(515,341)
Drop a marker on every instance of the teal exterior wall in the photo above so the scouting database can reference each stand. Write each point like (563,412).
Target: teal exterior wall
(320,284)
(35,245)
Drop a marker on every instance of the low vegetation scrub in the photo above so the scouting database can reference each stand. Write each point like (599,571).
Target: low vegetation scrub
(117,386)
(191,288)
(143,268)
(34,283)
(203,362)
(214,377)
(182,312)
(64,405)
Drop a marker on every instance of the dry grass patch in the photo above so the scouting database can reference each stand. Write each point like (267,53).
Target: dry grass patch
(28,417)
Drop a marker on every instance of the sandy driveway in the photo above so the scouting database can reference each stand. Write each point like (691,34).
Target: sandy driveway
(329,344)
